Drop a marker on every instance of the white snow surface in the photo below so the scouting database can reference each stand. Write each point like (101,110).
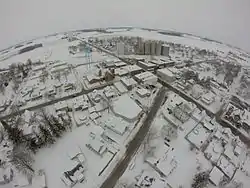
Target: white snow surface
(192,16)
(126,107)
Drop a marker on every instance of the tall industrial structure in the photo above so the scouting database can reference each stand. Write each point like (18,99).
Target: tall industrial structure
(88,53)
(140,49)
(158,48)
(165,50)
(147,48)
(152,48)
(120,48)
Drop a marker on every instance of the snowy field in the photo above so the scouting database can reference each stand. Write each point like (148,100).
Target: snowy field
(166,160)
(107,116)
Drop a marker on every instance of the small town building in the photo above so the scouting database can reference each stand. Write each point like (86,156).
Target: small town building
(216,176)
(117,125)
(36,94)
(159,63)
(227,167)
(129,83)
(81,120)
(120,87)
(142,92)
(165,50)
(208,98)
(97,145)
(68,86)
(166,75)
(146,78)
(94,78)
(126,108)
(51,90)
(197,91)
(150,180)
(109,92)
(120,64)
(61,106)
(146,65)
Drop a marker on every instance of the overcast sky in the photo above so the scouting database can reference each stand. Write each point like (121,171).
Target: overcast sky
(224,20)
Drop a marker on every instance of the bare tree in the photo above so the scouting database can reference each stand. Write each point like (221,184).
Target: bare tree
(65,74)
(225,180)
(2,86)
(58,76)
(22,159)
(15,134)
(44,75)
(200,180)
(148,148)
(29,63)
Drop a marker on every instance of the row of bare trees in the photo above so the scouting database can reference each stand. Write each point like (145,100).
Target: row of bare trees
(50,129)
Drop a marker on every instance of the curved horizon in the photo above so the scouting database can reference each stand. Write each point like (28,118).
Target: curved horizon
(130,27)
(224,20)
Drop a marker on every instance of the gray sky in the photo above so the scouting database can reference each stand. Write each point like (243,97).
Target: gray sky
(224,20)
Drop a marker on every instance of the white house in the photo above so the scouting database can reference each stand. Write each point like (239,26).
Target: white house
(227,167)
(62,105)
(117,125)
(216,176)
(166,75)
(146,78)
(146,65)
(129,83)
(97,145)
(120,64)
(126,108)
(51,90)
(197,91)
(120,87)
(142,92)
(208,98)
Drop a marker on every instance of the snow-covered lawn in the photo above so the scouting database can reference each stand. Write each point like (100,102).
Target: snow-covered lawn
(177,157)
(56,160)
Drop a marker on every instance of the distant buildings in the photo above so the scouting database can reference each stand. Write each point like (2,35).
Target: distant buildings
(151,47)
(158,48)
(120,48)
(140,49)
(165,50)
(147,48)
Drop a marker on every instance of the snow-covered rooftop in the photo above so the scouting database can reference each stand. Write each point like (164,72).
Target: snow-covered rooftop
(127,108)
(216,176)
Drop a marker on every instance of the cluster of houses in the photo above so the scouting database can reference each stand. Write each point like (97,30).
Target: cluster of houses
(237,117)
(35,89)
(75,173)
(225,151)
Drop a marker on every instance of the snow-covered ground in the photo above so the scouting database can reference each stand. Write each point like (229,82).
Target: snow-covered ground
(171,159)
(182,141)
